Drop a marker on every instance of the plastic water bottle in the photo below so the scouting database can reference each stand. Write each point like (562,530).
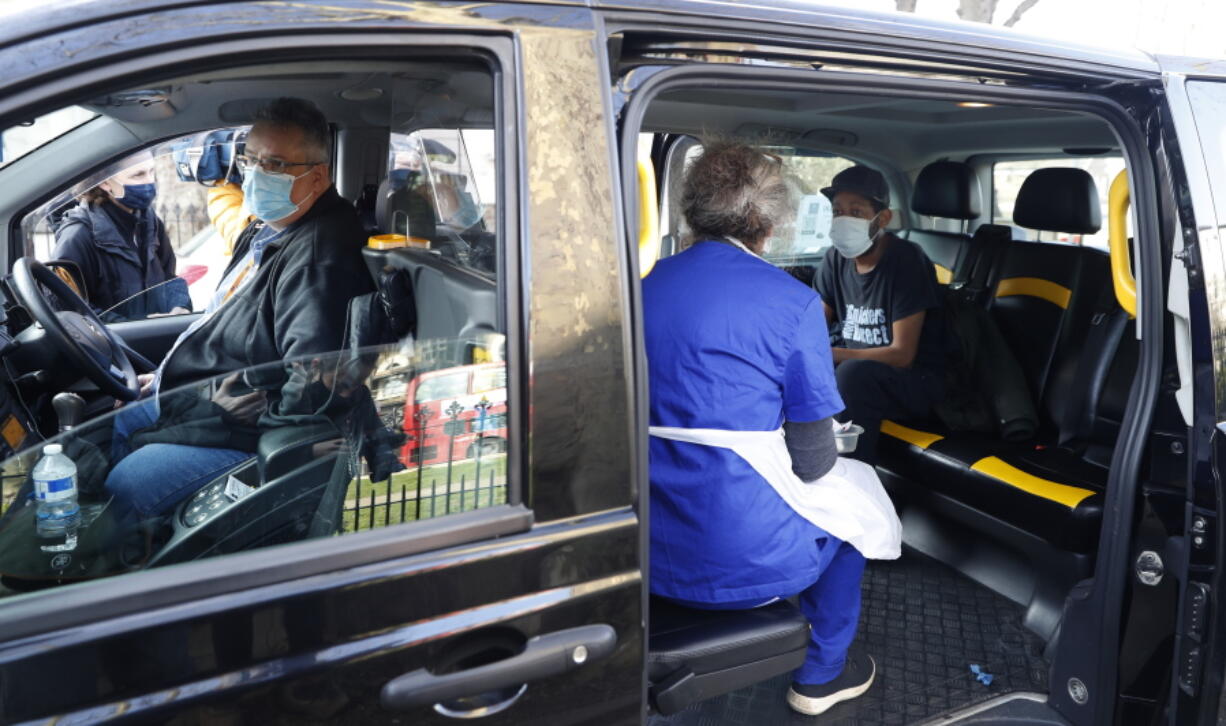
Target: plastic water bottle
(55,490)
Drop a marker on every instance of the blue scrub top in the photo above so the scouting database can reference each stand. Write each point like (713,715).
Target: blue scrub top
(733,343)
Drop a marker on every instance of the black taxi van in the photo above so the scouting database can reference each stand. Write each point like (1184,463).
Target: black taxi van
(468,537)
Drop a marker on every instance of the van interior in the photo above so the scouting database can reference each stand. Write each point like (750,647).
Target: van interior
(1010,204)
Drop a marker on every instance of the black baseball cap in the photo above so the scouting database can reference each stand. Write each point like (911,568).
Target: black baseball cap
(868,183)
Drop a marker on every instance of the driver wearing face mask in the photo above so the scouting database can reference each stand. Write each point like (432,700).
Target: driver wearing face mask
(882,302)
(283,297)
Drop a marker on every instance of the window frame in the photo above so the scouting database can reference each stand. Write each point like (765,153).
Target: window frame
(194,583)
(1099,612)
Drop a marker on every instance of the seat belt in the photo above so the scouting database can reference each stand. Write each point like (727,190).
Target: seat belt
(1093,365)
(988,243)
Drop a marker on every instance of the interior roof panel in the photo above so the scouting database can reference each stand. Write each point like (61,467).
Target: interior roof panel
(909,132)
(438,93)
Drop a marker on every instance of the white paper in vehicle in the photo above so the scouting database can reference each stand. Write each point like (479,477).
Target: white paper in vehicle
(235,489)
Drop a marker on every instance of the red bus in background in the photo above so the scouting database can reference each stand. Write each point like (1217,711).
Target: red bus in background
(455,413)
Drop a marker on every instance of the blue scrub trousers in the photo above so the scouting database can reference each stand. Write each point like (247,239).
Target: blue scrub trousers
(832,605)
(153,479)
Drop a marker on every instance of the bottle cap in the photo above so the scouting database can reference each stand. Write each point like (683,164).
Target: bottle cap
(52,449)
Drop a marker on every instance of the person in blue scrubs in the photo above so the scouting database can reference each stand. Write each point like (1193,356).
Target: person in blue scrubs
(737,344)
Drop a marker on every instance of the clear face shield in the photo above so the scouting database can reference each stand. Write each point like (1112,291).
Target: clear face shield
(441,161)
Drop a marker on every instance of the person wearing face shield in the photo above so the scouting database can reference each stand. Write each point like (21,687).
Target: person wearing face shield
(750,502)
(283,298)
(883,303)
(121,247)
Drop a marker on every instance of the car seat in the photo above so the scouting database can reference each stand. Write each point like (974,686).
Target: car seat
(693,655)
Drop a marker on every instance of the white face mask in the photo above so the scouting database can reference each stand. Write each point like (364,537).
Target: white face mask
(850,235)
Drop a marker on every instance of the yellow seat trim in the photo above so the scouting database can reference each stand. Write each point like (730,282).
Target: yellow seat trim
(915,437)
(1052,292)
(944,274)
(649,217)
(1069,496)
(1121,266)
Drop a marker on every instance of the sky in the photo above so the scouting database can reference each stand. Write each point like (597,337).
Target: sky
(1171,27)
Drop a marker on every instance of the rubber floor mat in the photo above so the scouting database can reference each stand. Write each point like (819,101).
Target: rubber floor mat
(925,626)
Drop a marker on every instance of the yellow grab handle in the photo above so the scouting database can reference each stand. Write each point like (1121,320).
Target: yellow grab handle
(1117,235)
(649,218)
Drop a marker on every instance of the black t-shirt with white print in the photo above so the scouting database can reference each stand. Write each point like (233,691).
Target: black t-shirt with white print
(866,306)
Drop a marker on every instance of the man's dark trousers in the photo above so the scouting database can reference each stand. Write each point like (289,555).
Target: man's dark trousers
(873,391)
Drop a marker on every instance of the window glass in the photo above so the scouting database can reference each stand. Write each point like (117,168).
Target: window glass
(349,470)
(1007,179)
(441,385)
(93,223)
(489,378)
(1208,103)
(298,405)
(806,237)
(442,187)
(800,242)
(19,140)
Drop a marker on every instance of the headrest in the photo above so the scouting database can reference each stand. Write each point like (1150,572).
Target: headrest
(399,210)
(1059,200)
(946,189)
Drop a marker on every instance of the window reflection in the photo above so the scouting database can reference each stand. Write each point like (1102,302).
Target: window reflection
(340,465)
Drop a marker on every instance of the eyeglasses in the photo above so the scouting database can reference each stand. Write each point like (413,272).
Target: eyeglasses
(272,165)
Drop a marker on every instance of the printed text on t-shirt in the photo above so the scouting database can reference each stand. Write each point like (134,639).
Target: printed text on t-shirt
(866,325)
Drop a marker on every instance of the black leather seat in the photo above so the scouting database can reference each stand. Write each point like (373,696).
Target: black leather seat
(403,211)
(947,189)
(694,655)
(1054,305)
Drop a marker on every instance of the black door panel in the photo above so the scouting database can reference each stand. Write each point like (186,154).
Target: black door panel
(258,652)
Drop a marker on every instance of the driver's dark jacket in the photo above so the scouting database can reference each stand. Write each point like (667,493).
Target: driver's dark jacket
(120,254)
(292,311)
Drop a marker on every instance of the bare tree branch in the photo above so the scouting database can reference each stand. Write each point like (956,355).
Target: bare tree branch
(1018,12)
(905,6)
(977,11)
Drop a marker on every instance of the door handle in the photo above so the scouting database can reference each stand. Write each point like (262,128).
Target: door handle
(542,656)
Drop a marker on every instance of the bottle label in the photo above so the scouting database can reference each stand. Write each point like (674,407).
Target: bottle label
(53,490)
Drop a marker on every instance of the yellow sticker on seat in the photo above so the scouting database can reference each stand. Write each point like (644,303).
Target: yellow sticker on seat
(1069,496)
(1052,292)
(922,439)
(13,432)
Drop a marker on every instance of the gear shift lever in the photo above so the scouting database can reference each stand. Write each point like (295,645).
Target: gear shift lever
(68,407)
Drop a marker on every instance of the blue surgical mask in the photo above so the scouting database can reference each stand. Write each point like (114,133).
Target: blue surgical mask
(138,196)
(266,195)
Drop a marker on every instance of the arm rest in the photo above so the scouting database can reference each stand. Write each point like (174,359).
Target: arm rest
(286,448)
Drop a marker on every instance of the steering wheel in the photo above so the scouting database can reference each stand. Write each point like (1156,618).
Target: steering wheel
(78,333)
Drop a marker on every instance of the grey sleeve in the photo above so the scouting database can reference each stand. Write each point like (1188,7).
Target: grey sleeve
(811,446)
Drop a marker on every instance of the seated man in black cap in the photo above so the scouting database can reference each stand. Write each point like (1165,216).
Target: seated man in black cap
(883,303)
